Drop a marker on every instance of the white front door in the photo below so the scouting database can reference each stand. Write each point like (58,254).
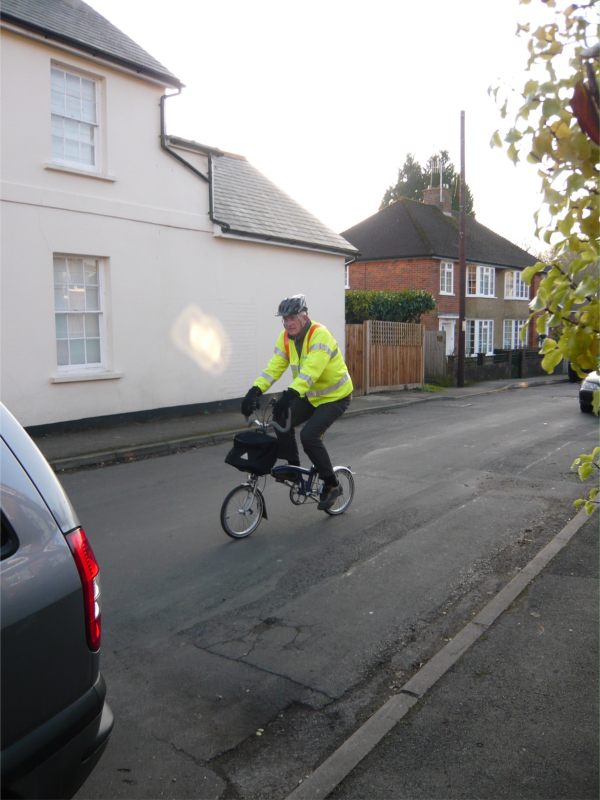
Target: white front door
(449,326)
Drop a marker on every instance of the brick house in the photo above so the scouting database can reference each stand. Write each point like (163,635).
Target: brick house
(412,245)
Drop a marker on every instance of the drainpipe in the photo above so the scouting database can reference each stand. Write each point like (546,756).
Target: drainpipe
(164,141)
(347,262)
(208,178)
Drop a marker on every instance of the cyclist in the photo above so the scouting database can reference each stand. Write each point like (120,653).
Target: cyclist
(319,393)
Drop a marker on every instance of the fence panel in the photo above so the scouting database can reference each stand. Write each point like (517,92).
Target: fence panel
(384,355)
(395,367)
(355,356)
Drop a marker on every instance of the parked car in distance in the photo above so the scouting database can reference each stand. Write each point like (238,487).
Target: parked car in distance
(589,384)
(573,376)
(55,718)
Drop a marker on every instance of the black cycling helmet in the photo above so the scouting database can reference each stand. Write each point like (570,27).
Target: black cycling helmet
(292,305)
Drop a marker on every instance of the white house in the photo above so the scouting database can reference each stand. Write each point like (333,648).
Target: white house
(139,271)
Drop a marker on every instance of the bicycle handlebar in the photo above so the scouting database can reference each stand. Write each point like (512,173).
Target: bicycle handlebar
(288,423)
(272,424)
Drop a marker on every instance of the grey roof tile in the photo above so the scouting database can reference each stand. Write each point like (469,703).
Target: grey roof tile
(408,229)
(75,23)
(249,204)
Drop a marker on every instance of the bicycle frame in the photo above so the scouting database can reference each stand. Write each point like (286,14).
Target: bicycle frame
(244,506)
(304,481)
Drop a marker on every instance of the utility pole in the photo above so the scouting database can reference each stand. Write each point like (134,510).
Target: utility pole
(462,268)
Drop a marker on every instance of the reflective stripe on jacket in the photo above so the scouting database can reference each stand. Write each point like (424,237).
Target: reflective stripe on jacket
(319,373)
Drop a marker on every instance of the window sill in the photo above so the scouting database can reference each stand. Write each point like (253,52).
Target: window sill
(447,294)
(78,377)
(99,176)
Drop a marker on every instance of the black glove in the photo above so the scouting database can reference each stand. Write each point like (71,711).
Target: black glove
(250,401)
(282,406)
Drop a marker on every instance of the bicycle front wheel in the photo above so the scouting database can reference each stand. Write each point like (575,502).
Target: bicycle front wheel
(242,511)
(346,481)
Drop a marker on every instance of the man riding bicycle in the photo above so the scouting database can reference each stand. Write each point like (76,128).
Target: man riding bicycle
(320,391)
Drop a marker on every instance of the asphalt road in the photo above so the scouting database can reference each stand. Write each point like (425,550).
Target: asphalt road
(307,626)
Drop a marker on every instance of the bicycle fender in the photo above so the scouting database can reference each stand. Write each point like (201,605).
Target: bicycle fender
(264,502)
(262,497)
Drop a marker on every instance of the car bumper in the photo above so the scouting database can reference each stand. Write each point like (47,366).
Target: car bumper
(53,761)
(586,397)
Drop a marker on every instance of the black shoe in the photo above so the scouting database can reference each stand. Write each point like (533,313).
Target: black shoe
(328,496)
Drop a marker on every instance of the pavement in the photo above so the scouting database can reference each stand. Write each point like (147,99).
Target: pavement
(119,441)
(507,708)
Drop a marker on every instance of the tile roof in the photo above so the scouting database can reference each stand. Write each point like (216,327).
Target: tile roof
(408,229)
(248,204)
(74,23)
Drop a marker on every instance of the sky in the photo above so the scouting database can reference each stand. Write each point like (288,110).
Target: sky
(327,97)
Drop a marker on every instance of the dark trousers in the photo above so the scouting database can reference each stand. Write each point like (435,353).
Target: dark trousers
(317,419)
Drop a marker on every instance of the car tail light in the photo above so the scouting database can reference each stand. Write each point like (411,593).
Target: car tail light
(89,572)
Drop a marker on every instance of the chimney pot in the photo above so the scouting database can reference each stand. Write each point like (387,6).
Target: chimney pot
(431,197)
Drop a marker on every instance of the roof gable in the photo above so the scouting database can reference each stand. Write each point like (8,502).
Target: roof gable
(246,203)
(409,229)
(76,24)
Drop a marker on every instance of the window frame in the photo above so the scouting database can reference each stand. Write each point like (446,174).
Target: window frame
(65,161)
(479,275)
(446,276)
(519,290)
(474,329)
(86,367)
(513,340)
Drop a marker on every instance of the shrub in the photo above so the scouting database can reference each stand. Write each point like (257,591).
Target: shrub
(406,306)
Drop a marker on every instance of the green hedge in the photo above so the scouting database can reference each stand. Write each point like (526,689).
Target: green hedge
(406,306)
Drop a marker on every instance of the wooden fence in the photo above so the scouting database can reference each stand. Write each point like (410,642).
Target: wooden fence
(384,355)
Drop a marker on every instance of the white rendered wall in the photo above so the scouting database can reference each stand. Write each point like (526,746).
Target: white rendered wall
(147,216)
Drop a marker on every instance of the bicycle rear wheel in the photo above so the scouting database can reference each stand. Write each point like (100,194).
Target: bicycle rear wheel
(242,511)
(346,481)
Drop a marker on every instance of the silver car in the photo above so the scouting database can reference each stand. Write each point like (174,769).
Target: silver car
(55,719)
(589,385)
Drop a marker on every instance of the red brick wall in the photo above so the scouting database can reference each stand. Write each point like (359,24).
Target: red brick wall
(409,273)
(416,273)
(396,275)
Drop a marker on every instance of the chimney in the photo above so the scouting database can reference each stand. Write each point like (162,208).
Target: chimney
(431,197)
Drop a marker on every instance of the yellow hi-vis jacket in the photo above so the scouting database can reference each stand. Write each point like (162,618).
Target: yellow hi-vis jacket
(319,372)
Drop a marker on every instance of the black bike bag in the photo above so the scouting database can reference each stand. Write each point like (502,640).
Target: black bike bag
(253,451)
